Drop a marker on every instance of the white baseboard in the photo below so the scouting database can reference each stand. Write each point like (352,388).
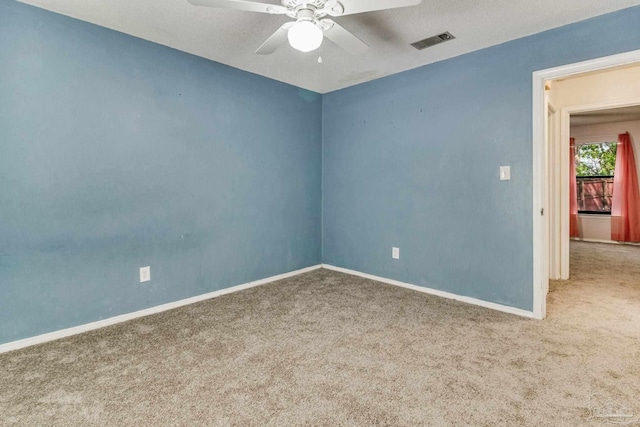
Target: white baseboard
(610,242)
(443,294)
(39,339)
(586,239)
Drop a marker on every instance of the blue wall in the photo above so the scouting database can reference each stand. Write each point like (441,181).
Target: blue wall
(117,153)
(412,161)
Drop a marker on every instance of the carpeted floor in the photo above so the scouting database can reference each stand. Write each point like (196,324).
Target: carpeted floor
(330,349)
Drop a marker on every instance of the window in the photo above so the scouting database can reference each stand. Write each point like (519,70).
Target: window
(595,164)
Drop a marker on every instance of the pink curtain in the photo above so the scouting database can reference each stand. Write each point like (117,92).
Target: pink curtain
(574,231)
(625,204)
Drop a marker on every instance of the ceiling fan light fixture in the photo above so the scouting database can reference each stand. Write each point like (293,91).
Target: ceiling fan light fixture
(305,36)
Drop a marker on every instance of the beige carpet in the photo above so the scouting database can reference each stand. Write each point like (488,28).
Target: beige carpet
(330,349)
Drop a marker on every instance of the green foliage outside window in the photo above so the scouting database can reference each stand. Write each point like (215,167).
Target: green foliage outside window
(596,159)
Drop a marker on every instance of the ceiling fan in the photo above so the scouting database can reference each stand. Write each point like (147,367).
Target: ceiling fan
(311,25)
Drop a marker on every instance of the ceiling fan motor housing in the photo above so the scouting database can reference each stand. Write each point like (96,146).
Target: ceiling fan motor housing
(318,8)
(304,14)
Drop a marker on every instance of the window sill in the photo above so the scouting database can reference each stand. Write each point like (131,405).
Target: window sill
(606,216)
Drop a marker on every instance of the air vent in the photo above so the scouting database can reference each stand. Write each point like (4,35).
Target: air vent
(432,41)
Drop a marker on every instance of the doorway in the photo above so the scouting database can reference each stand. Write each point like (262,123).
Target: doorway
(550,203)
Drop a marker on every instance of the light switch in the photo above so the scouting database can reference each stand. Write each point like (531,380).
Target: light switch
(505,173)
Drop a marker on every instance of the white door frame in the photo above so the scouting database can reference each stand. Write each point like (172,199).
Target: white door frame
(539,183)
(553,227)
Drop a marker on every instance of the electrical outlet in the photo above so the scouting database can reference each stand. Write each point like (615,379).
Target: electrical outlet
(395,253)
(145,274)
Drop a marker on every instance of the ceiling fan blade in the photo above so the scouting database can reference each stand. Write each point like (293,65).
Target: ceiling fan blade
(276,40)
(349,7)
(344,38)
(250,6)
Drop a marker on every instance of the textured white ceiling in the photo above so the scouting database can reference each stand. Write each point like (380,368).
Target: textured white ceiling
(611,115)
(231,37)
